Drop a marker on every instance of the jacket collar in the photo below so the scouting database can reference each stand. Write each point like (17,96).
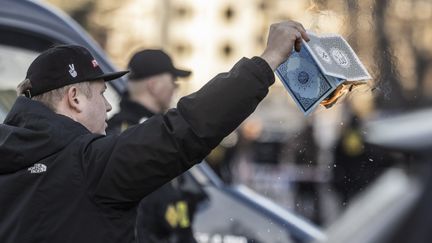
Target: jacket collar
(133,110)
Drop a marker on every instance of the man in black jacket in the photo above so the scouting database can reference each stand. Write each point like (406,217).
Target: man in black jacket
(63,180)
(165,215)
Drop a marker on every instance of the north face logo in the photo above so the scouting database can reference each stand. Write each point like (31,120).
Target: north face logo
(37,168)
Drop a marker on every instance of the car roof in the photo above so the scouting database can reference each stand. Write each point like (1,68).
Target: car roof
(409,132)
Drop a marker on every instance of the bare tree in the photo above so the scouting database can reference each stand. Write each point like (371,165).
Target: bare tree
(390,95)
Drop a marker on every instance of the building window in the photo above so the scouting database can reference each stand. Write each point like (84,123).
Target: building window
(228,13)
(227,50)
(182,49)
(182,12)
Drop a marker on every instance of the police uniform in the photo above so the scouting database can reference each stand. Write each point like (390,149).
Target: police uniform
(166,215)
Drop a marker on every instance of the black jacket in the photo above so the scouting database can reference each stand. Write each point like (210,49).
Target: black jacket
(131,113)
(166,215)
(61,183)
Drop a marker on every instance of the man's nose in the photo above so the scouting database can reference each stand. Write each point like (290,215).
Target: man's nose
(108,106)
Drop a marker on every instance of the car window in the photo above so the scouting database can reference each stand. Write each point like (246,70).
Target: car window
(13,66)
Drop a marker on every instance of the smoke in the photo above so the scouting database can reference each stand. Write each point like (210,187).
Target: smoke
(313,7)
(383,67)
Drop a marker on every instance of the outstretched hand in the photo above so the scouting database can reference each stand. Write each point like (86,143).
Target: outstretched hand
(283,37)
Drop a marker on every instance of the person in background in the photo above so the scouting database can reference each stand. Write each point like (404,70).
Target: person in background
(166,215)
(357,163)
(307,198)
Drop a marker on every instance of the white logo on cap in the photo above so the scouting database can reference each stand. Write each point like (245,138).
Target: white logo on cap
(95,63)
(72,71)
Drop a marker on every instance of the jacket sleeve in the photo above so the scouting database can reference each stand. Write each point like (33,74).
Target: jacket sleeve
(146,156)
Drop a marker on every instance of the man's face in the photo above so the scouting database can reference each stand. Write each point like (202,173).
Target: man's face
(95,108)
(163,90)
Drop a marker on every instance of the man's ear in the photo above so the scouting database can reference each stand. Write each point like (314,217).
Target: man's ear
(74,97)
(151,85)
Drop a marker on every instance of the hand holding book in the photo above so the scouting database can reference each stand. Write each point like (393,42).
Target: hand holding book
(321,71)
(283,38)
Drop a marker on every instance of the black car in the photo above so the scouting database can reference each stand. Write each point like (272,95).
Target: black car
(231,214)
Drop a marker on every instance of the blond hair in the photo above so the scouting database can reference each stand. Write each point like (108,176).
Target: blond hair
(53,97)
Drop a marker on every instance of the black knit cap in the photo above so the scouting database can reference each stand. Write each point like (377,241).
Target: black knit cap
(63,65)
(150,62)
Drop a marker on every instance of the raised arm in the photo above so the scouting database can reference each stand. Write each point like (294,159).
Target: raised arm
(148,155)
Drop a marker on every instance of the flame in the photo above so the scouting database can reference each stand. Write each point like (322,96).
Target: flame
(340,92)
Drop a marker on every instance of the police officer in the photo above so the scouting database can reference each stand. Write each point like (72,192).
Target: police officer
(165,215)
(151,84)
